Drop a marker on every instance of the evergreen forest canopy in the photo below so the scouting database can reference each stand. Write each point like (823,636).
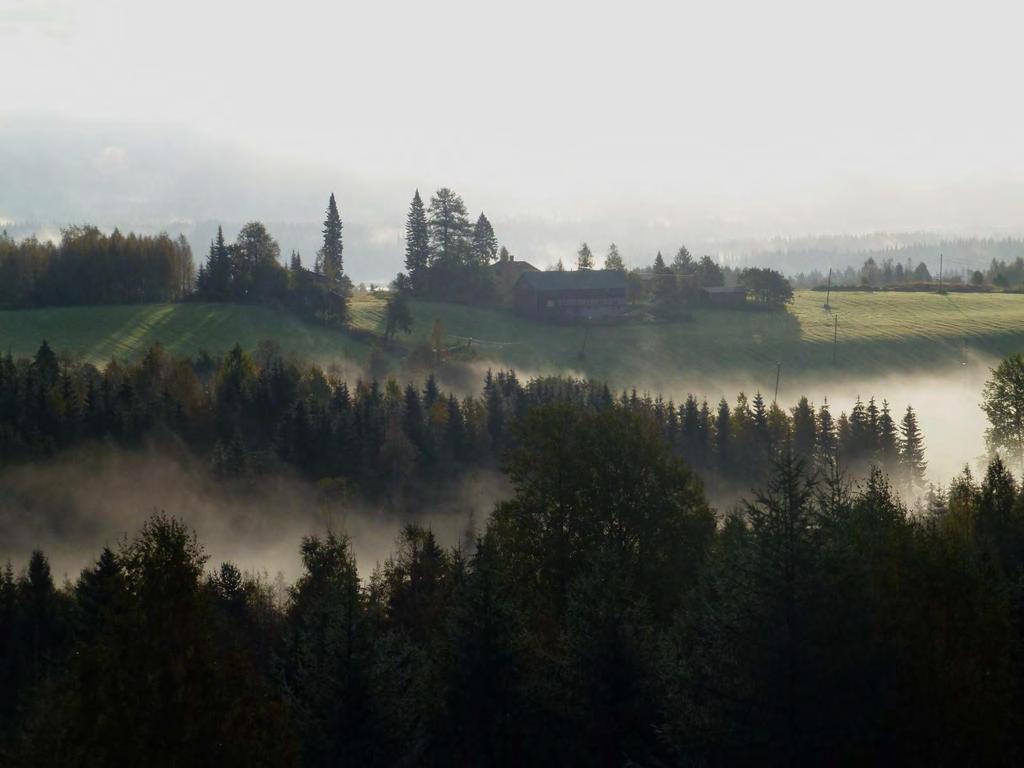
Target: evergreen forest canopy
(602,617)
(250,414)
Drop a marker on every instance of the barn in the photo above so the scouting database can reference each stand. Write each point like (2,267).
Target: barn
(571,296)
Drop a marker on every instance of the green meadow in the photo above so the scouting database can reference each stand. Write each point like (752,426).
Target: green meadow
(877,334)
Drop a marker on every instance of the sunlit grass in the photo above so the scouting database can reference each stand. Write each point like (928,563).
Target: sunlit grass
(878,333)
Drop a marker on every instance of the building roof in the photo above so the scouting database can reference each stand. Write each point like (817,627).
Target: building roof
(724,289)
(577,280)
(506,275)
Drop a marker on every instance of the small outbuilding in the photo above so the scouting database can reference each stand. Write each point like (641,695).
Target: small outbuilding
(724,297)
(586,294)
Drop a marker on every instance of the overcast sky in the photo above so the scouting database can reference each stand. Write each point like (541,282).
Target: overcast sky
(780,116)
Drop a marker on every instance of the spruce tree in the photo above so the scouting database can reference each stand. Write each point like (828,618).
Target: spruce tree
(331,251)
(485,244)
(219,275)
(804,430)
(723,439)
(417,243)
(911,450)
(888,449)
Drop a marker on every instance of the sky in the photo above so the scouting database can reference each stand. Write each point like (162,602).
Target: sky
(723,118)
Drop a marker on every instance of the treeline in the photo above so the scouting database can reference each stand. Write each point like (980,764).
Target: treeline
(602,617)
(446,256)
(892,274)
(89,267)
(249,414)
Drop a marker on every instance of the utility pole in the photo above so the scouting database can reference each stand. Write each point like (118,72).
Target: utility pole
(835,337)
(828,289)
(778,372)
(940,273)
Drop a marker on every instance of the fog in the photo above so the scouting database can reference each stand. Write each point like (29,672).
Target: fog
(72,506)
(676,122)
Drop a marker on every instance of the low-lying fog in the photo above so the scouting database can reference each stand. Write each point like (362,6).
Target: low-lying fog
(75,504)
(947,404)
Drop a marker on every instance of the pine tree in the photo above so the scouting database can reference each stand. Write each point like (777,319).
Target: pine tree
(296,261)
(448,226)
(485,244)
(417,243)
(911,450)
(613,260)
(584,258)
(331,251)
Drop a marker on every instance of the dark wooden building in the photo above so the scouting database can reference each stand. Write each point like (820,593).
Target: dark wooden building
(730,297)
(505,275)
(587,294)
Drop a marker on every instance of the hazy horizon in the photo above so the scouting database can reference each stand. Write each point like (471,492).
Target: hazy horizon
(690,123)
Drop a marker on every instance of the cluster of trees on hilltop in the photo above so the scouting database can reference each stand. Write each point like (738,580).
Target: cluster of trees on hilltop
(445,255)
(89,267)
(247,415)
(250,270)
(602,617)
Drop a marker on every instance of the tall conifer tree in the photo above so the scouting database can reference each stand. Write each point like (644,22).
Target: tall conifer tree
(417,243)
(485,244)
(912,449)
(331,251)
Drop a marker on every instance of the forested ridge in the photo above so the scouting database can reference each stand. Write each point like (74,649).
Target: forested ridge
(249,413)
(602,617)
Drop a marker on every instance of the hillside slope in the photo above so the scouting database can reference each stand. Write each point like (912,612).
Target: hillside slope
(878,334)
(98,333)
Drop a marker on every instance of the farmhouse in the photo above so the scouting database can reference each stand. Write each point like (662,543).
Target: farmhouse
(570,296)
(724,297)
(505,275)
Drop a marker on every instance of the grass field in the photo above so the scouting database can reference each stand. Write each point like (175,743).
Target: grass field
(878,334)
(98,333)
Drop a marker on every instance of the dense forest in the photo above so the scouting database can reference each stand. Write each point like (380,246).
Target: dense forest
(601,617)
(88,267)
(250,413)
